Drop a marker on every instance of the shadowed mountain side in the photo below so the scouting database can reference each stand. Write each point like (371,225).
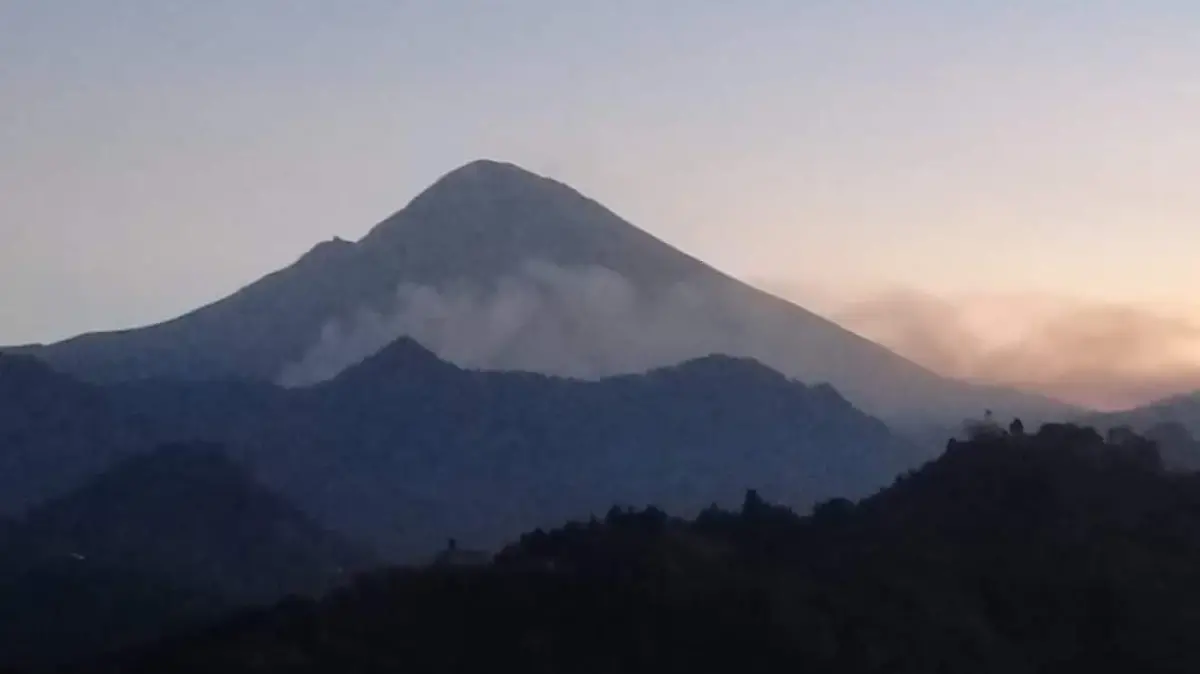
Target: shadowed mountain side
(475,229)
(405,449)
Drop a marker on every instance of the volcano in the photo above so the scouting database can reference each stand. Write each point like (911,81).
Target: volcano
(494,267)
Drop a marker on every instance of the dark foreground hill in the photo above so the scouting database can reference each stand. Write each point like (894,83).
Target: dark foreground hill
(61,611)
(1050,553)
(192,517)
(405,450)
(498,268)
(159,539)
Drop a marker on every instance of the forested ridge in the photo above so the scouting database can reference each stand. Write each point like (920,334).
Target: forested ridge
(1054,551)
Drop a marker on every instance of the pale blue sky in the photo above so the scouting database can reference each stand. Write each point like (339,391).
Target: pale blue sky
(158,154)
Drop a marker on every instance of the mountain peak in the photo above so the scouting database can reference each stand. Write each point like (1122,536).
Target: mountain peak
(405,359)
(407,351)
(489,183)
(486,219)
(490,169)
(723,367)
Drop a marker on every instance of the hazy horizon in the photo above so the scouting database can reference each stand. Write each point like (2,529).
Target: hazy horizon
(999,192)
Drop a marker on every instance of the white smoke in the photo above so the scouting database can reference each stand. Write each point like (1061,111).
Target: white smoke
(577,321)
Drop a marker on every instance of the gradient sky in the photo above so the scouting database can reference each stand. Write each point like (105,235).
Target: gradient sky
(876,160)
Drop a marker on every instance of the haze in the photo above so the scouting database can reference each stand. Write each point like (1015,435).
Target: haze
(1001,191)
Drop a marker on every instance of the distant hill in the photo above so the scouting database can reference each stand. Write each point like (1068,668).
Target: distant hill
(405,449)
(1054,552)
(1172,422)
(191,518)
(56,432)
(495,267)
(1183,409)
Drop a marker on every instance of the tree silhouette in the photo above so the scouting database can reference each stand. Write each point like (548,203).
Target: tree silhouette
(1016,428)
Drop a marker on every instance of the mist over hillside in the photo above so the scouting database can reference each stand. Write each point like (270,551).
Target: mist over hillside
(1182,409)
(584,322)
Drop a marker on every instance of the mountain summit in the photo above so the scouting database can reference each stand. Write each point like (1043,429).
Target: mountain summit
(494,267)
(483,220)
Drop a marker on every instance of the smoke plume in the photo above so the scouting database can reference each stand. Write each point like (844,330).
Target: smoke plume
(1103,355)
(580,321)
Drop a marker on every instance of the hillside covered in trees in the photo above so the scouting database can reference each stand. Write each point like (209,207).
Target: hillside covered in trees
(1055,551)
(159,541)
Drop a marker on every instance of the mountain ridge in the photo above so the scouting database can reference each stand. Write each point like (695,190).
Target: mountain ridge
(405,448)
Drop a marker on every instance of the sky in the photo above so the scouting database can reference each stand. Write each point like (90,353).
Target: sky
(1002,191)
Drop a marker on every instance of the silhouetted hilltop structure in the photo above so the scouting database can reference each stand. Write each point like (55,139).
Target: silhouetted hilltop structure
(454,556)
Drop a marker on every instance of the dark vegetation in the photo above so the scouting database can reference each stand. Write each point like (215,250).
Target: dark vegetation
(1054,551)
(191,516)
(159,541)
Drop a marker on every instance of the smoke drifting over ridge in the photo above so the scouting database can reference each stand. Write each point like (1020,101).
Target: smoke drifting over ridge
(1104,355)
(590,321)
(584,322)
